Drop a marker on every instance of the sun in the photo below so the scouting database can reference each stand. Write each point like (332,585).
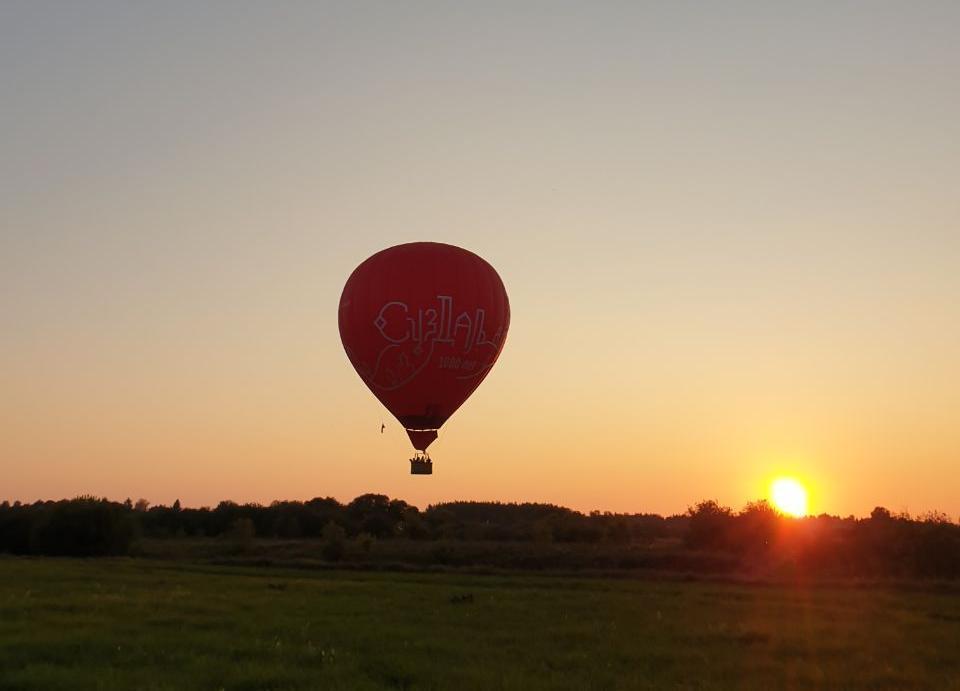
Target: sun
(789,496)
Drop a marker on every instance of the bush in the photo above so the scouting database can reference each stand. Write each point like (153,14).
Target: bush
(334,542)
(241,533)
(710,525)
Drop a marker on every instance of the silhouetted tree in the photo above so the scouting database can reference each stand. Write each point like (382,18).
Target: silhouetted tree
(242,533)
(710,525)
(334,542)
(85,526)
(885,545)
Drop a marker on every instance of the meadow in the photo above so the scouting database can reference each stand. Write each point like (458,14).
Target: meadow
(123,623)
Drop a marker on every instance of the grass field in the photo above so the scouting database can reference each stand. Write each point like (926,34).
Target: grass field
(105,624)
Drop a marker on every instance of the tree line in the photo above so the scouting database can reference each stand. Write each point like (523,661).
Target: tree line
(90,525)
(755,538)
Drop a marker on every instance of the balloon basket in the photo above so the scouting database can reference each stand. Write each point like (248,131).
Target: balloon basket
(421,465)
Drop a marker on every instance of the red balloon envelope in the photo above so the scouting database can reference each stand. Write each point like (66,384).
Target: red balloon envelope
(422,324)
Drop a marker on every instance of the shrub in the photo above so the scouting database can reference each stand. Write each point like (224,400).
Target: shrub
(242,533)
(334,542)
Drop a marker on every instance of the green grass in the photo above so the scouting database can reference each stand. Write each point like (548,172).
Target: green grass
(119,623)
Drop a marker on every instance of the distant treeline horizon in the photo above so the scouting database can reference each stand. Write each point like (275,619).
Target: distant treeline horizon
(142,504)
(708,537)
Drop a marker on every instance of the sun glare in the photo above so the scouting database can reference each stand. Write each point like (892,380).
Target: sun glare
(789,496)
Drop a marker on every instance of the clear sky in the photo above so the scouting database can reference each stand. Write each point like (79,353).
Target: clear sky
(730,233)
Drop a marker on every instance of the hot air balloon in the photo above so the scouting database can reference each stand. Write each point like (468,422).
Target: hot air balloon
(423,323)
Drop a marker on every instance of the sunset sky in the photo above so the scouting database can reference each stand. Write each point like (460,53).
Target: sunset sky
(730,234)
